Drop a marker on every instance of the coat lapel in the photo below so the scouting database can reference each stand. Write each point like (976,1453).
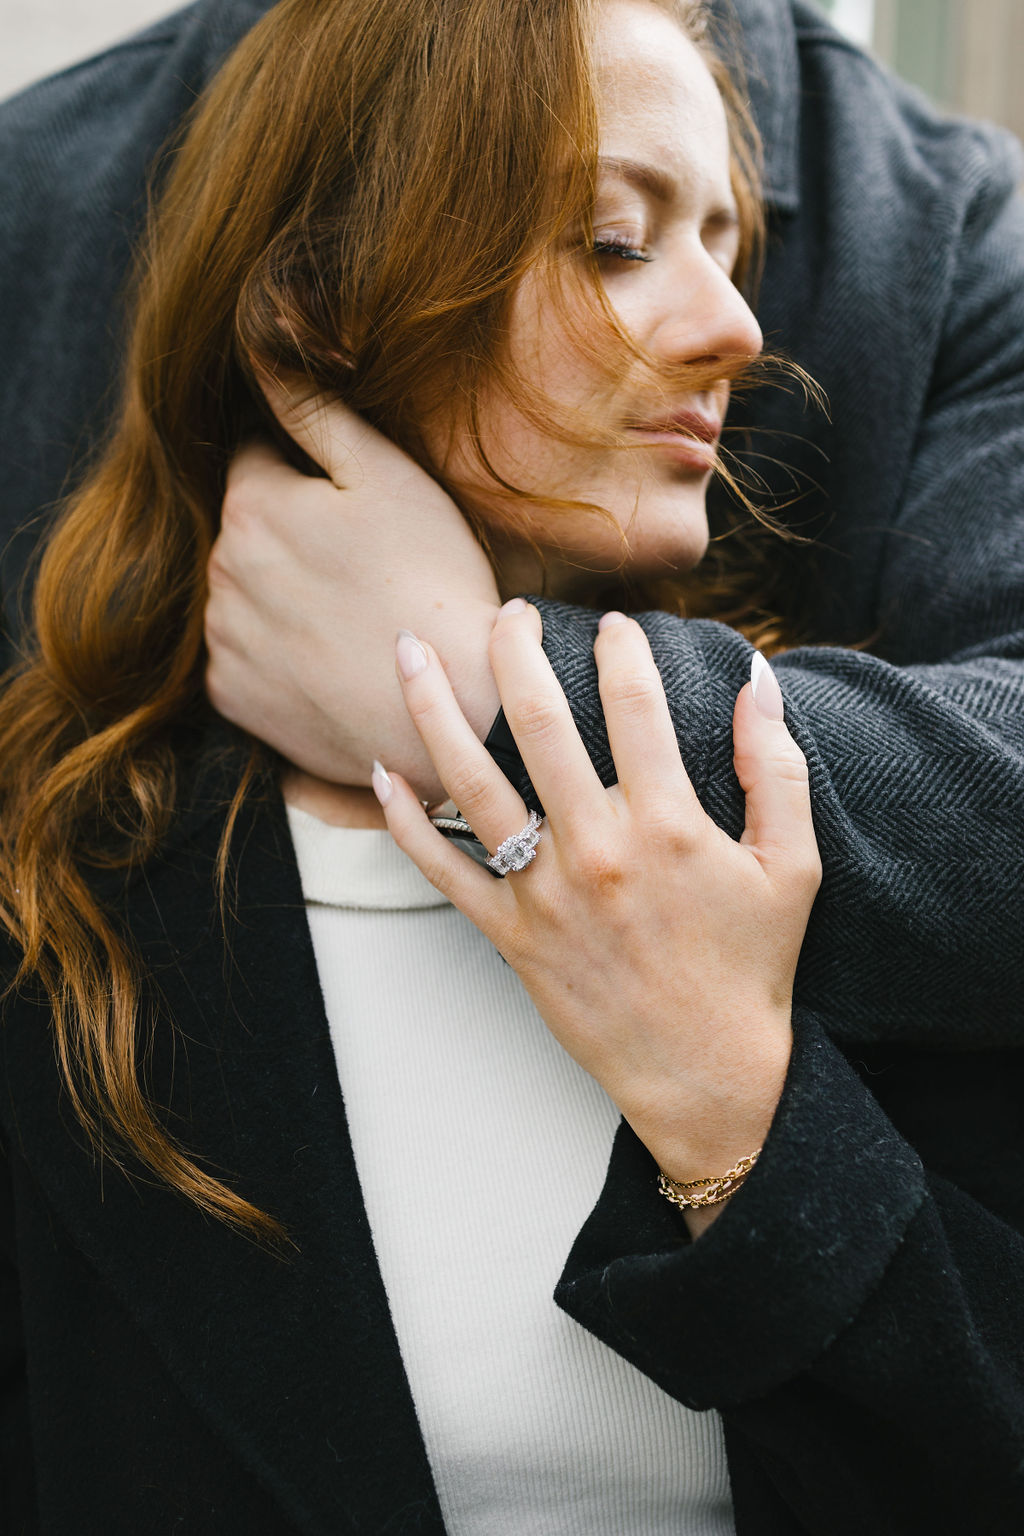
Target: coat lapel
(292,1357)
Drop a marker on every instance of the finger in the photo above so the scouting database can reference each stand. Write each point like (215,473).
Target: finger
(773,775)
(449,870)
(541,721)
(641,735)
(258,481)
(259,461)
(492,806)
(333,436)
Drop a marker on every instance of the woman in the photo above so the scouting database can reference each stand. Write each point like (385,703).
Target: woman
(108,719)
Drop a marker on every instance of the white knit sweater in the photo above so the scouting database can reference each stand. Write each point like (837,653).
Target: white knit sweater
(481,1147)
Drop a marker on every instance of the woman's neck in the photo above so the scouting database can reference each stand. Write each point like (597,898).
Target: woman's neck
(341,805)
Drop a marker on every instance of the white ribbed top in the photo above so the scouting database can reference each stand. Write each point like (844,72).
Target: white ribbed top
(481,1147)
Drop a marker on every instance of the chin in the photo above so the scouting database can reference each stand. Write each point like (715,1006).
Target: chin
(632,587)
(665,538)
(668,557)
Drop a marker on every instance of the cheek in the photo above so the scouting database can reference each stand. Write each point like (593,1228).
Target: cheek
(551,331)
(545,341)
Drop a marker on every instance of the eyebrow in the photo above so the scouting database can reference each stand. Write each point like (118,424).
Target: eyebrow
(655,182)
(646,178)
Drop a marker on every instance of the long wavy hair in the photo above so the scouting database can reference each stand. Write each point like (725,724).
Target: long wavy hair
(355,196)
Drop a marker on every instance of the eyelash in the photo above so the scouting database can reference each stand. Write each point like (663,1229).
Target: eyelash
(620,248)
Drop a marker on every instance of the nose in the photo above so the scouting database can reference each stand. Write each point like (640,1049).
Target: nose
(703,316)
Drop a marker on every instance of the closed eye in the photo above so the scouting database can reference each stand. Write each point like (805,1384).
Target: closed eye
(620,249)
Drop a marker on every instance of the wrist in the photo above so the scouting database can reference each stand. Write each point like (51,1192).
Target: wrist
(726,1112)
(701,1200)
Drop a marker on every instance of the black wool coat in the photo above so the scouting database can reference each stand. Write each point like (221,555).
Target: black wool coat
(855,1314)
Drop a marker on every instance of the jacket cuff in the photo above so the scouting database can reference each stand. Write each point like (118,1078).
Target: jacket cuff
(786,1266)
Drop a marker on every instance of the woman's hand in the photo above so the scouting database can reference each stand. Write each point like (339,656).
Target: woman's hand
(660,952)
(310,579)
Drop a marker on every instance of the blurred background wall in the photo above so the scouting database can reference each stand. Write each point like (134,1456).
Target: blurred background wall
(966,54)
(38,37)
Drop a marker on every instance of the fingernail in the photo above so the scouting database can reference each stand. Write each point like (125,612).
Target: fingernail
(409,654)
(611,618)
(767,693)
(514,605)
(382,785)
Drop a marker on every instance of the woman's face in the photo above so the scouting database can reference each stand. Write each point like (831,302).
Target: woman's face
(666,233)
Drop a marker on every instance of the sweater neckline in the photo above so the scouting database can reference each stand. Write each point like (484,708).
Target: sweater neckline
(356,867)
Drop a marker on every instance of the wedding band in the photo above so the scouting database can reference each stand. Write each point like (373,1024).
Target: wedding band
(518,850)
(453,826)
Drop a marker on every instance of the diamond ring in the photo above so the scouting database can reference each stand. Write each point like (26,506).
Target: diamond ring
(518,850)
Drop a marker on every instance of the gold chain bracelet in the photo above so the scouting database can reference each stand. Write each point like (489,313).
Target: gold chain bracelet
(706,1191)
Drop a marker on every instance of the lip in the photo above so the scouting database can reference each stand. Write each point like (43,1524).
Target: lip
(689,438)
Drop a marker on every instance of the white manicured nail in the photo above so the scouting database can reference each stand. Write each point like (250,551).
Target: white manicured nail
(382,785)
(614,617)
(767,693)
(410,655)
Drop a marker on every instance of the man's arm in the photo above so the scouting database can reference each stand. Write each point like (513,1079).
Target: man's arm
(917,784)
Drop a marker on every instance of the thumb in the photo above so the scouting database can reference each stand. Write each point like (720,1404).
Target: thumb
(333,436)
(772,772)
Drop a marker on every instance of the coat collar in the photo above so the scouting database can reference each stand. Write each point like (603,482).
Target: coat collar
(765,34)
(291,1357)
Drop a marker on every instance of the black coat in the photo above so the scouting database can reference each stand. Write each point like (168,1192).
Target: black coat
(858,1322)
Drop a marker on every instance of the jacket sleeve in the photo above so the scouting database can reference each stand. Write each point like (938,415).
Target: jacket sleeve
(917,785)
(857,1319)
(916,748)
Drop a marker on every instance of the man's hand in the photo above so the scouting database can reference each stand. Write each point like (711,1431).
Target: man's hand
(311,579)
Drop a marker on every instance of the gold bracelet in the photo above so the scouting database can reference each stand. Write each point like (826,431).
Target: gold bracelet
(707,1191)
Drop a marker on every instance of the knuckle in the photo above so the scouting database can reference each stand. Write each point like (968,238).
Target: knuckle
(537,716)
(212,682)
(600,868)
(236,507)
(220,693)
(634,692)
(803,870)
(219,574)
(790,767)
(811,870)
(665,826)
(212,617)
(471,782)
